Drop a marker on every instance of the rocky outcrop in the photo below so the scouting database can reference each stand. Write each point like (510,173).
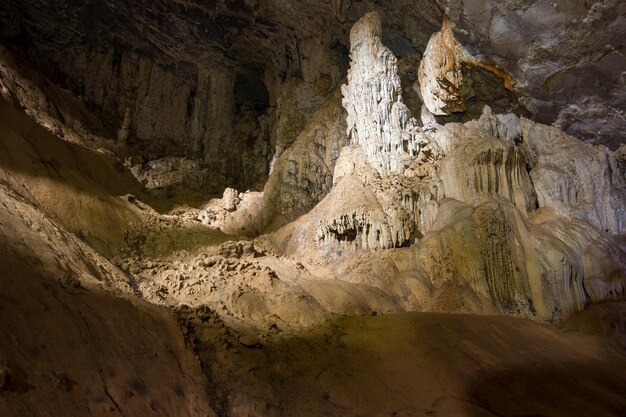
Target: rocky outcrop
(519,161)
(153,111)
(566,59)
(55,109)
(62,299)
(239,296)
(169,172)
(360,220)
(388,151)
(546,267)
(490,235)
(77,187)
(539,49)
(366,214)
(534,166)
(483,164)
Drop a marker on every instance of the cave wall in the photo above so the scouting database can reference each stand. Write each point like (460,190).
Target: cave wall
(566,57)
(545,47)
(254,102)
(388,185)
(186,100)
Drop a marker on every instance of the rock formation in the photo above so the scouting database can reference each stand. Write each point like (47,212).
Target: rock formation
(443,79)
(236,197)
(377,118)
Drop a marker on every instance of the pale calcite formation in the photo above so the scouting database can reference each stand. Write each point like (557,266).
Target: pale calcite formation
(302,175)
(371,210)
(387,169)
(492,223)
(492,246)
(546,267)
(362,214)
(484,164)
(566,256)
(443,78)
(576,179)
(377,119)
(538,217)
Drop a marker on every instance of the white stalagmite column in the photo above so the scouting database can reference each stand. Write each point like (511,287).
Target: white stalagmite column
(377,119)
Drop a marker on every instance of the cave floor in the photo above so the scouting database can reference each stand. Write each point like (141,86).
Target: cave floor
(121,356)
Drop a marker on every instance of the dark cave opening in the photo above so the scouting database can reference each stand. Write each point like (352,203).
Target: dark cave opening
(251,93)
(348,235)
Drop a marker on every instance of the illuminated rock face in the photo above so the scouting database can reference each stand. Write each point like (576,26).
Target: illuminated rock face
(187,188)
(496,214)
(388,148)
(377,118)
(527,242)
(576,179)
(443,79)
(478,212)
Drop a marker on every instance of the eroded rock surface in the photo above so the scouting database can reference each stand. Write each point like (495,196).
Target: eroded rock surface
(443,74)
(193,192)
(566,59)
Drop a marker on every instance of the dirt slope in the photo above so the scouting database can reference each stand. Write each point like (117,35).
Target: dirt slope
(426,364)
(74,341)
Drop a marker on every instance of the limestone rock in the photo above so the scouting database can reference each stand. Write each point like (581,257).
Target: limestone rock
(499,215)
(169,172)
(576,179)
(377,119)
(534,166)
(546,270)
(233,249)
(443,76)
(230,199)
(360,213)
(485,165)
(363,225)
(37,249)
(388,151)
(566,59)
(302,175)
(235,214)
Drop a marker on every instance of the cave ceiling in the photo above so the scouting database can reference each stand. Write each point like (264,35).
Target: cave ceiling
(566,58)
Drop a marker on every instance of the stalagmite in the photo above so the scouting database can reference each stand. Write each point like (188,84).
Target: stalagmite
(377,118)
